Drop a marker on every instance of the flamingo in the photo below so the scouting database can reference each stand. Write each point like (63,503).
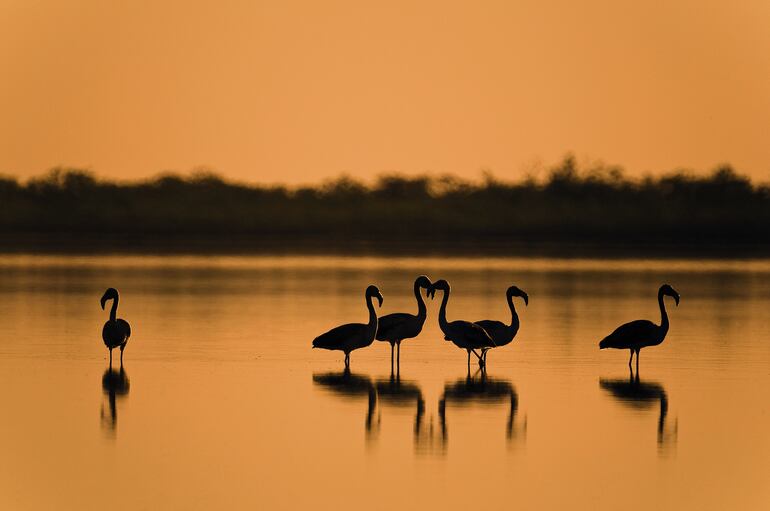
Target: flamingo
(501,333)
(464,334)
(352,336)
(641,333)
(396,327)
(116,331)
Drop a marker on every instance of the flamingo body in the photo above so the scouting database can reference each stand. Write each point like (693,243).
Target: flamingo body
(641,333)
(352,336)
(396,327)
(463,334)
(116,331)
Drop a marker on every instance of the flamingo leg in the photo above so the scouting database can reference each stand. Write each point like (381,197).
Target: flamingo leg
(122,346)
(469,361)
(391,358)
(637,362)
(398,356)
(631,359)
(110,357)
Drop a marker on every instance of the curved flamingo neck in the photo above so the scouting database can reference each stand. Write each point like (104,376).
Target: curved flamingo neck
(442,322)
(422,311)
(514,314)
(372,312)
(114,309)
(663,314)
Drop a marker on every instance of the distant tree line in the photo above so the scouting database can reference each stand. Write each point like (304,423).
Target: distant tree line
(596,204)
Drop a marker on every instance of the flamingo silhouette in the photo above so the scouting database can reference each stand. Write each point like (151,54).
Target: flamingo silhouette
(396,327)
(463,334)
(352,336)
(501,333)
(641,333)
(116,331)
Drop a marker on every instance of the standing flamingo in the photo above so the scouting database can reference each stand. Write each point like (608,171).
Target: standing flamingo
(463,334)
(641,333)
(501,333)
(116,331)
(396,327)
(352,336)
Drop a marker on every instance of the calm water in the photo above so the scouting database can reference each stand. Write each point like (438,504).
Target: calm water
(222,403)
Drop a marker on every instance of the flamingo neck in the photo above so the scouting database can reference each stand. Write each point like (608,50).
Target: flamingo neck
(422,311)
(442,322)
(514,315)
(372,313)
(663,314)
(114,309)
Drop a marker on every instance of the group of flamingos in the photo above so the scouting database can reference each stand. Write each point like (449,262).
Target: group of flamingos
(474,337)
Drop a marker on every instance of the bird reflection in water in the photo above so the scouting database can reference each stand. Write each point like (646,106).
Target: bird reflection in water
(115,384)
(352,386)
(642,395)
(397,393)
(481,389)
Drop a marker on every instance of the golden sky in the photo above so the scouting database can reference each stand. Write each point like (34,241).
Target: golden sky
(297,91)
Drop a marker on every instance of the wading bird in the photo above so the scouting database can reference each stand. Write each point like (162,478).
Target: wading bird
(116,331)
(352,336)
(641,333)
(501,333)
(463,334)
(396,327)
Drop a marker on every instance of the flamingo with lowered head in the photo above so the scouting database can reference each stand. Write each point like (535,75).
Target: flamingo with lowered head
(464,334)
(396,327)
(116,331)
(641,333)
(352,336)
(501,333)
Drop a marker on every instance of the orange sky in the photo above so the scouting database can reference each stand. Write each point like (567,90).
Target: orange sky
(297,91)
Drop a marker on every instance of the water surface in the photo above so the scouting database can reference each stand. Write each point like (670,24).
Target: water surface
(221,403)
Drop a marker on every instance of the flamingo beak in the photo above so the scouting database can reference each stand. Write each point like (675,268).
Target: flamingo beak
(526,298)
(103,301)
(431,292)
(676,299)
(379,299)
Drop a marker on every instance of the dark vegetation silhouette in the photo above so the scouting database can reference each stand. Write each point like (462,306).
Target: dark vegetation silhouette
(571,204)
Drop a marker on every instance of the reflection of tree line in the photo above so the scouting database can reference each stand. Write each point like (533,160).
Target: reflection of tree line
(395,392)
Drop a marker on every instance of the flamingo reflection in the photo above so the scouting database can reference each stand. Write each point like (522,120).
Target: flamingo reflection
(351,386)
(481,389)
(642,396)
(398,393)
(115,384)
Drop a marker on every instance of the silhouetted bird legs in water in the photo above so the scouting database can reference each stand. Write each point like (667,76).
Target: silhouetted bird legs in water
(637,360)
(397,345)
